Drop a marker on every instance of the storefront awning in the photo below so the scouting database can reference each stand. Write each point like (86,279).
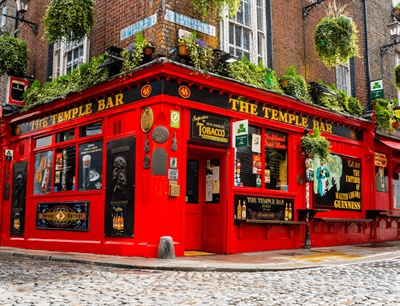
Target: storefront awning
(390,143)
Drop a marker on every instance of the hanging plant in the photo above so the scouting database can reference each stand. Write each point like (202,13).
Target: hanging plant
(13,56)
(314,144)
(397,77)
(216,7)
(68,19)
(336,37)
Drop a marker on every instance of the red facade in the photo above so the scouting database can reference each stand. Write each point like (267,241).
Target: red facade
(161,153)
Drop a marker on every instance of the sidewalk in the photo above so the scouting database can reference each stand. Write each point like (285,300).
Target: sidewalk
(245,262)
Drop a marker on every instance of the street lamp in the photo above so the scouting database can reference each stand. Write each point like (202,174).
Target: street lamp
(394,29)
(22,7)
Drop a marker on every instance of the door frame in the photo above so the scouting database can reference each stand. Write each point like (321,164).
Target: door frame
(203,153)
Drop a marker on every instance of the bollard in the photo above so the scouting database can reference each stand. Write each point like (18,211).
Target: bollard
(166,248)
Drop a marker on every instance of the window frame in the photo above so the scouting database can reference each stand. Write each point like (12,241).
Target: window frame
(255,33)
(57,146)
(61,51)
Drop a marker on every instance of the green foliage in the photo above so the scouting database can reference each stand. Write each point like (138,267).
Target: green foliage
(68,19)
(85,76)
(336,40)
(216,7)
(133,55)
(339,101)
(397,77)
(296,85)
(257,75)
(201,56)
(13,56)
(384,115)
(315,145)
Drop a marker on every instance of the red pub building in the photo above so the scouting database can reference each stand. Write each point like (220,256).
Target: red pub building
(167,152)
(215,164)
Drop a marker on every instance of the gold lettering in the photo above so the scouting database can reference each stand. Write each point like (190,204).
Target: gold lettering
(101,104)
(74,112)
(81,113)
(118,99)
(244,107)
(67,115)
(60,117)
(234,104)
(253,109)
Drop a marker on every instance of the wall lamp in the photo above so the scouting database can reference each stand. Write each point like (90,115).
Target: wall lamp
(22,7)
(114,61)
(224,57)
(308,8)
(394,29)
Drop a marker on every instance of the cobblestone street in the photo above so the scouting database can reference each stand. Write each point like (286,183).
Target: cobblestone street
(27,281)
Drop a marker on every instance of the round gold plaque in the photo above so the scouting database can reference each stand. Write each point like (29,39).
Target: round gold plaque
(147,119)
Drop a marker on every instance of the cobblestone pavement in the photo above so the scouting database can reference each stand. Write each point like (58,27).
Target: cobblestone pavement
(29,281)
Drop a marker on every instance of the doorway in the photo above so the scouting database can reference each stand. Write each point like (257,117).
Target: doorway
(205,200)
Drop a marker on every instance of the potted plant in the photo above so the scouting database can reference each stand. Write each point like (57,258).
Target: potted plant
(314,144)
(68,19)
(335,37)
(396,10)
(201,56)
(295,85)
(216,7)
(13,56)
(134,53)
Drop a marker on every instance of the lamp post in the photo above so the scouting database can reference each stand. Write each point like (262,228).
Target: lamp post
(22,7)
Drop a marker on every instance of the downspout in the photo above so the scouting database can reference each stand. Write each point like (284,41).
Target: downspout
(269,40)
(368,106)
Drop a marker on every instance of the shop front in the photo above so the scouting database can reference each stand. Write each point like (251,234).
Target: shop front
(214,164)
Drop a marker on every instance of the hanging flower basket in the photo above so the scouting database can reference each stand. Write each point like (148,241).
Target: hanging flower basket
(68,19)
(13,56)
(335,37)
(315,145)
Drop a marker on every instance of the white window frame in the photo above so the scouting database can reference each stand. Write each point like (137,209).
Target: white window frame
(61,66)
(343,72)
(255,33)
(3,18)
(398,63)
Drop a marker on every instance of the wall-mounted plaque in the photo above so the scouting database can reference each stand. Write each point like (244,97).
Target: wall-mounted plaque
(147,119)
(160,134)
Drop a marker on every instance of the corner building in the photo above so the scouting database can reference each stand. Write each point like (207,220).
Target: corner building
(167,150)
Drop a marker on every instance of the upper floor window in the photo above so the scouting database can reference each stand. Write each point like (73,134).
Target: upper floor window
(343,77)
(3,18)
(69,55)
(245,34)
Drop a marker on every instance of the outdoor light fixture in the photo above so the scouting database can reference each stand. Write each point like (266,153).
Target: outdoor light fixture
(114,61)
(308,8)
(224,57)
(394,29)
(22,7)
(316,89)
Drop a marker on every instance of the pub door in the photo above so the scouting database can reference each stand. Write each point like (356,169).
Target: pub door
(205,195)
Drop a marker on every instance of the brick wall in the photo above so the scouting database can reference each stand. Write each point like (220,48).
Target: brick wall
(292,35)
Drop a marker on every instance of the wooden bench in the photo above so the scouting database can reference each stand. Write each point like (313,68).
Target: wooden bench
(347,222)
(389,218)
(269,223)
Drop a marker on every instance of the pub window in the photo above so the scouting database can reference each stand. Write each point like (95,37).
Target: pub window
(77,166)
(65,136)
(91,129)
(64,175)
(43,142)
(248,161)
(275,171)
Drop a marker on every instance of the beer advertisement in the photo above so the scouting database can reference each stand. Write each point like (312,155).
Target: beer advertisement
(90,166)
(43,172)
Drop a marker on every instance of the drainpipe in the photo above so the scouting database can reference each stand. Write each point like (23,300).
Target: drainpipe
(366,57)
